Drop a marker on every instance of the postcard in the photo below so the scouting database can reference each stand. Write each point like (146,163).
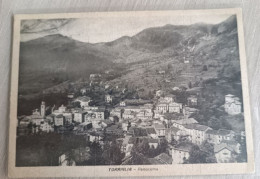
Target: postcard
(144,93)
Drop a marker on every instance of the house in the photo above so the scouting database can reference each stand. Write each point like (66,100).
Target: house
(153,143)
(83,100)
(232,105)
(116,112)
(179,123)
(234,144)
(62,109)
(137,140)
(173,133)
(181,153)
(157,114)
(175,107)
(168,98)
(224,153)
(162,107)
(83,91)
(197,132)
(36,118)
(135,109)
(161,72)
(95,137)
(79,116)
(217,136)
(98,113)
(64,160)
(192,100)
(59,120)
(148,107)
(188,111)
(126,125)
(46,127)
(70,95)
(144,115)
(122,103)
(163,158)
(159,93)
(134,102)
(129,115)
(108,98)
(160,130)
(91,108)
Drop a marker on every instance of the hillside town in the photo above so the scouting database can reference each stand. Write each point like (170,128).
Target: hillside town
(160,130)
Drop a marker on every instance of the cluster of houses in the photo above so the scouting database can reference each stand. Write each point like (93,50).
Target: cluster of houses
(136,120)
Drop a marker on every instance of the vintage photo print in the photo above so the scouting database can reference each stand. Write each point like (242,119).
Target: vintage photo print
(129,94)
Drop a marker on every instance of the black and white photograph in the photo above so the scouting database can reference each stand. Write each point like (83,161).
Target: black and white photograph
(130,90)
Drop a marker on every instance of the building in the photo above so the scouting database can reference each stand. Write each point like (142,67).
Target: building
(62,109)
(59,120)
(161,159)
(83,100)
(173,133)
(144,115)
(160,130)
(129,115)
(197,132)
(175,107)
(108,98)
(83,91)
(122,103)
(180,123)
(188,111)
(135,109)
(224,153)
(232,105)
(46,127)
(159,93)
(168,98)
(192,100)
(36,118)
(181,153)
(217,136)
(79,116)
(162,107)
(116,112)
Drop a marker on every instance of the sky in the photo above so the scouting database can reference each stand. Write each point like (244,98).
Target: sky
(104,29)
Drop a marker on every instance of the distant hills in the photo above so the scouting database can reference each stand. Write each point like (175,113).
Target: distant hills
(53,59)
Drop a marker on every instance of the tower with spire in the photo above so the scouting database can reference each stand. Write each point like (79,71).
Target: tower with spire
(43,109)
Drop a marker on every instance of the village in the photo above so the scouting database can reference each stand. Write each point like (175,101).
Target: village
(163,126)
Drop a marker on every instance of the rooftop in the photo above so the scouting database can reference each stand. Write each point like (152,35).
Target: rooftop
(83,98)
(185,146)
(150,130)
(164,158)
(221,146)
(159,126)
(196,127)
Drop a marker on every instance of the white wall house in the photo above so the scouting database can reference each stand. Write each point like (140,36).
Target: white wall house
(232,105)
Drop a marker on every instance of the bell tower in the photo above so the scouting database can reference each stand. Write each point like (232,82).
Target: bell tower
(43,109)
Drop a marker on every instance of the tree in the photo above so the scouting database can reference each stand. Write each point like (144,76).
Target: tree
(112,154)
(189,85)
(96,154)
(205,68)
(208,148)
(196,155)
